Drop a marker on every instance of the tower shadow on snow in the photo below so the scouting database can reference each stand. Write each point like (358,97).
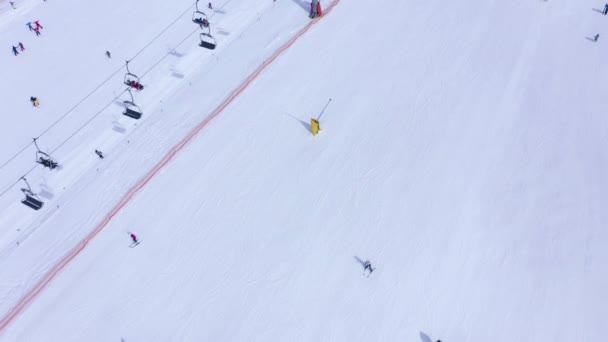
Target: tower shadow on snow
(305,5)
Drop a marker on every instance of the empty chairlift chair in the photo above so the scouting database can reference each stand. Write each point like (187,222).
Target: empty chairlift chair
(31,199)
(207,41)
(132,110)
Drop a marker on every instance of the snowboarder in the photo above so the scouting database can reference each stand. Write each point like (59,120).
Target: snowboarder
(37,31)
(21,46)
(605,9)
(210,6)
(134,238)
(15,50)
(99,154)
(108,54)
(596,37)
(29,25)
(38,26)
(34,101)
(367,266)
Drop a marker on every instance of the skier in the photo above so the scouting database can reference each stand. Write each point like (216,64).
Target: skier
(99,154)
(210,6)
(34,101)
(38,26)
(605,9)
(367,266)
(108,54)
(15,50)
(29,25)
(596,37)
(37,31)
(21,46)
(134,238)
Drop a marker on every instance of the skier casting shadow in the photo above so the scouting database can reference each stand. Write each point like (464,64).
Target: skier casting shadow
(367,266)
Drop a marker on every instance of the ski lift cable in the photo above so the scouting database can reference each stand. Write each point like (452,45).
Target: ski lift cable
(9,187)
(25,147)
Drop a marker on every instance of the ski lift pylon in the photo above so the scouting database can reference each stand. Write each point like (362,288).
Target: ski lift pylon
(207,41)
(31,199)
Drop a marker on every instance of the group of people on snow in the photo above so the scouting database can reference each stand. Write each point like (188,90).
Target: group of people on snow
(35,27)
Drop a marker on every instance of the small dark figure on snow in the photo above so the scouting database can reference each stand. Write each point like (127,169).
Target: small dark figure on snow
(15,51)
(13,4)
(605,9)
(108,54)
(34,101)
(21,46)
(596,37)
(37,31)
(210,6)
(99,154)
(29,25)
(38,26)
(134,238)
(367,266)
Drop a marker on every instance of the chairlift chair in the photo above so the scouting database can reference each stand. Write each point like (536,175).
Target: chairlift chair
(45,160)
(31,199)
(198,16)
(207,41)
(132,110)
(131,79)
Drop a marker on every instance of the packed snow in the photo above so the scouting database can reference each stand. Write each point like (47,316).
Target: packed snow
(462,151)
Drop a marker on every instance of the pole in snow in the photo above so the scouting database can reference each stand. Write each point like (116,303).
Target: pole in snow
(315,126)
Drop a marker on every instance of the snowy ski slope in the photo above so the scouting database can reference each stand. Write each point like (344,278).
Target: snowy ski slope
(463,153)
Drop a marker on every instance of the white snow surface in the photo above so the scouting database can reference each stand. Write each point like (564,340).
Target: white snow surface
(464,153)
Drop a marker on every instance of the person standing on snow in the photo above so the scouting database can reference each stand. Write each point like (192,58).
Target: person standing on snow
(367,266)
(21,46)
(15,51)
(134,238)
(210,6)
(596,37)
(38,26)
(37,31)
(605,9)
(99,153)
(108,54)
(29,25)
